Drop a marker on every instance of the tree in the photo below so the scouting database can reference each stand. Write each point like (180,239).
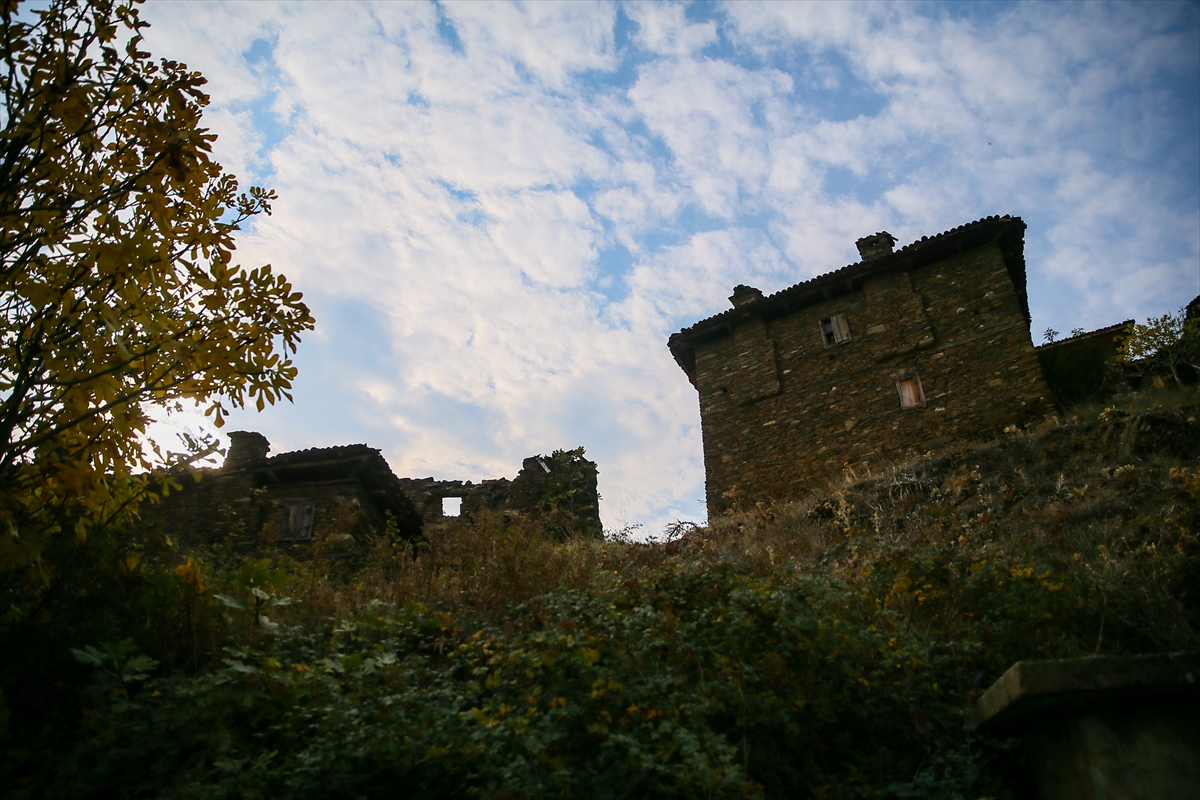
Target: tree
(117,284)
(1171,341)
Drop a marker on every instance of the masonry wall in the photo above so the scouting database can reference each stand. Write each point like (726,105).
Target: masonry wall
(226,505)
(568,485)
(782,414)
(1085,367)
(219,504)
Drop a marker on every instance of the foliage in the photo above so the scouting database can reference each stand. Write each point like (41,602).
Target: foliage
(117,286)
(259,586)
(569,503)
(1171,341)
(823,649)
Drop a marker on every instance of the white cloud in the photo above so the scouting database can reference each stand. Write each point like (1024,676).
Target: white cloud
(460,183)
(663,28)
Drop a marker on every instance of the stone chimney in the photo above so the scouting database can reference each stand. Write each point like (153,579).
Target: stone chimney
(743,295)
(877,246)
(246,448)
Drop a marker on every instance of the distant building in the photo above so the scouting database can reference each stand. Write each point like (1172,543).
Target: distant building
(1085,365)
(332,495)
(342,496)
(865,366)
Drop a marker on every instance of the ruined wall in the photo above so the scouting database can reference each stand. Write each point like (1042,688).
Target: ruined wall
(345,495)
(782,413)
(1085,367)
(427,495)
(563,483)
(234,507)
(208,506)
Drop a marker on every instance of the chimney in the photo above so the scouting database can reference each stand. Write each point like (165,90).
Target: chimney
(744,295)
(246,448)
(877,246)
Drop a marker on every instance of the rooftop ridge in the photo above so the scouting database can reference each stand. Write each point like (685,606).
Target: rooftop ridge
(1085,335)
(869,266)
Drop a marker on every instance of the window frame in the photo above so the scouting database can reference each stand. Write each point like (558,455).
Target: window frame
(915,380)
(299,518)
(838,331)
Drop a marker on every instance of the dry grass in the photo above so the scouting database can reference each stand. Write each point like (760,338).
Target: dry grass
(1094,498)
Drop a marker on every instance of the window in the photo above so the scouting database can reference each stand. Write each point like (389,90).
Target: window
(911,393)
(835,330)
(298,521)
(451,506)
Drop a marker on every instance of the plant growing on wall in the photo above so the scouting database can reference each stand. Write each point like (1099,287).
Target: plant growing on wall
(569,498)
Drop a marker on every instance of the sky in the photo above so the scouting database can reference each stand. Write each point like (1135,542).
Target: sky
(498,213)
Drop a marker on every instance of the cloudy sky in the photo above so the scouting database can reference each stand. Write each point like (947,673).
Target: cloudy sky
(499,212)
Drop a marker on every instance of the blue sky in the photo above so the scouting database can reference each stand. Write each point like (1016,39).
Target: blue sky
(500,212)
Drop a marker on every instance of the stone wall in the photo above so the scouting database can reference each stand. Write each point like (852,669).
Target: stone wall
(563,482)
(351,492)
(783,413)
(352,495)
(1085,367)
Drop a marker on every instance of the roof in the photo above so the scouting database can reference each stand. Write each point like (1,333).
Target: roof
(1007,231)
(1120,327)
(347,462)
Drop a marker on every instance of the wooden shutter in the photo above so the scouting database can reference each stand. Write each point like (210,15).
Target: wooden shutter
(841,328)
(298,520)
(910,392)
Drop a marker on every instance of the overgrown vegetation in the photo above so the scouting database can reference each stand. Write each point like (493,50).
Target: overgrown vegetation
(825,649)
(1170,342)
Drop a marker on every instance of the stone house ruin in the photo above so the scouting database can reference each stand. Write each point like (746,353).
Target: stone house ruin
(1086,365)
(330,495)
(563,482)
(865,366)
(341,496)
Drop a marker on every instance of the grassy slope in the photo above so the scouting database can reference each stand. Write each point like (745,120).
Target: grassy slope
(827,649)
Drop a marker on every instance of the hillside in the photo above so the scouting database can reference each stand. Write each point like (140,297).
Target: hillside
(827,648)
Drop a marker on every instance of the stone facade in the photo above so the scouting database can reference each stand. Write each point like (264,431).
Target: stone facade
(337,496)
(563,482)
(342,496)
(866,366)
(1085,366)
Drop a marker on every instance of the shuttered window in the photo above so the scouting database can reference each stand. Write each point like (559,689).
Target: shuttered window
(835,330)
(911,393)
(298,521)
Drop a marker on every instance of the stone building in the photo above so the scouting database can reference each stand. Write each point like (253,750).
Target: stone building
(1085,366)
(340,496)
(865,366)
(332,495)
(560,488)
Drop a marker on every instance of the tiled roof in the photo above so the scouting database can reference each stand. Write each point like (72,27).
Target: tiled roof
(1088,335)
(352,462)
(815,290)
(315,455)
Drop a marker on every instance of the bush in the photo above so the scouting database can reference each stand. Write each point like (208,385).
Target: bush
(827,649)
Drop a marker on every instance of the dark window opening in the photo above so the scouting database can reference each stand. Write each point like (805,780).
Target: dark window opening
(835,330)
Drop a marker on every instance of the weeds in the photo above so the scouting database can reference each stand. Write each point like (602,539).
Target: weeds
(827,648)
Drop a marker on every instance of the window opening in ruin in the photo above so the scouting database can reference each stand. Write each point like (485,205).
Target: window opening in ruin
(911,393)
(451,506)
(298,521)
(835,330)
